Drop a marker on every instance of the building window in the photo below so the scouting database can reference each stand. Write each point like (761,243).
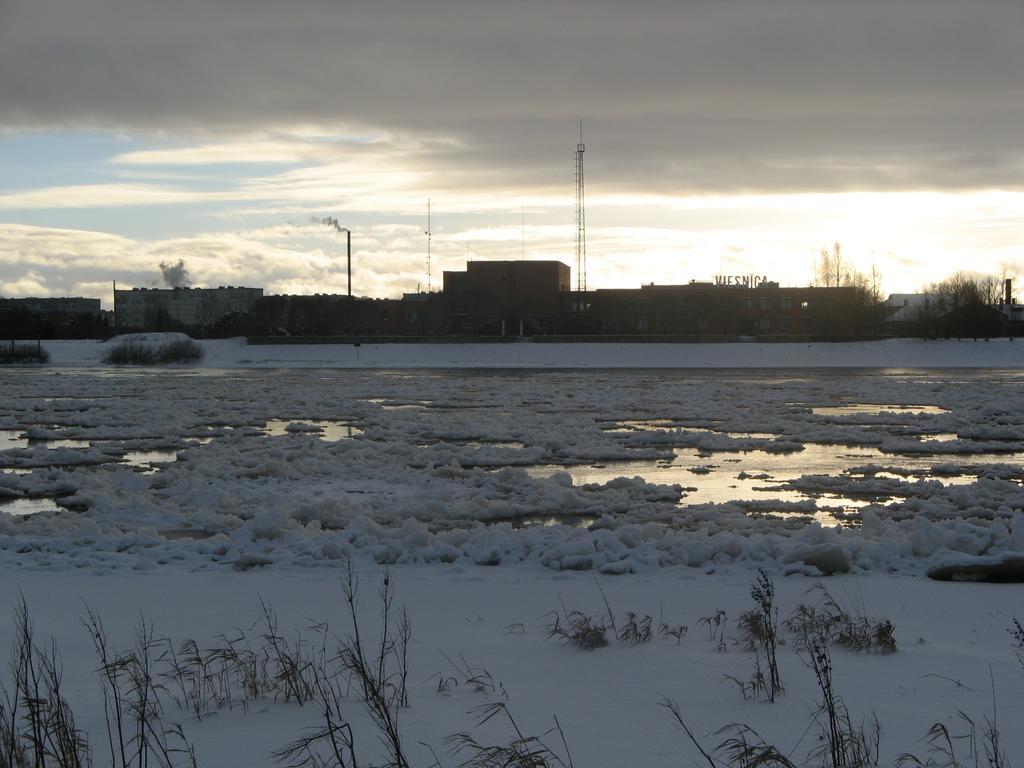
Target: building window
(766,303)
(384,314)
(766,324)
(786,325)
(410,315)
(746,303)
(805,304)
(641,324)
(786,302)
(805,324)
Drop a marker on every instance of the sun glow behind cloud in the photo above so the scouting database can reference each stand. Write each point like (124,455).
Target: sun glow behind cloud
(378,182)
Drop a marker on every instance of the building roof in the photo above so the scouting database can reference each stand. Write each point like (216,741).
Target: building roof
(903,307)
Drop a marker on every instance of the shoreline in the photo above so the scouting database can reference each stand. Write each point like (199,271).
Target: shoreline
(233,353)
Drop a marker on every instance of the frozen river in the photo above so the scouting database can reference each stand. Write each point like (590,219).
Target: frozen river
(191,498)
(651,465)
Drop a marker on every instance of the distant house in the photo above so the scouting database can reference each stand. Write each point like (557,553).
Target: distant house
(906,314)
(975,320)
(921,314)
(1014,315)
(905,307)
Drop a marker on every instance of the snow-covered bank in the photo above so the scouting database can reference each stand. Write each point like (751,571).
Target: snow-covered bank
(949,637)
(893,353)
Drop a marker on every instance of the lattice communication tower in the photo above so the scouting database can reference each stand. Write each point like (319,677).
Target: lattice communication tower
(581,220)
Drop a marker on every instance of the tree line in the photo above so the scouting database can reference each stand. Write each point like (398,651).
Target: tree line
(962,305)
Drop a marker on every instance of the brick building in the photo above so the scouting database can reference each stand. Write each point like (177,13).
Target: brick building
(505,297)
(705,309)
(70,317)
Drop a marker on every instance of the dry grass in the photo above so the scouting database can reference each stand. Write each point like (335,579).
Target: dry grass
(37,725)
(716,624)
(843,744)
(132,352)
(759,634)
(313,668)
(133,702)
(16,354)
(1017,633)
(832,622)
(741,745)
(379,671)
(478,679)
(589,632)
(521,752)
(578,630)
(944,748)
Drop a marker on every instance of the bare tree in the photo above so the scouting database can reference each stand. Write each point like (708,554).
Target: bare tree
(990,289)
(961,305)
(831,269)
(961,289)
(875,282)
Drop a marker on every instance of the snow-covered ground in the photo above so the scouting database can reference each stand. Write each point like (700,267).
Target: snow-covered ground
(896,353)
(949,638)
(496,497)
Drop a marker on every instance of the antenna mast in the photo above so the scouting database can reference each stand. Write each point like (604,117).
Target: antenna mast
(581,220)
(428,234)
(522,231)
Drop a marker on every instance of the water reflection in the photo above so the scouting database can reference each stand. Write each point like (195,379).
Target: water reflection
(149,459)
(25,506)
(330,431)
(12,438)
(544,521)
(874,409)
(760,477)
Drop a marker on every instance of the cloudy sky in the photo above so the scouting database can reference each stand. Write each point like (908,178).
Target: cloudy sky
(723,137)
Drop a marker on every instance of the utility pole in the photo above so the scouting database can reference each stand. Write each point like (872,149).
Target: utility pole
(429,236)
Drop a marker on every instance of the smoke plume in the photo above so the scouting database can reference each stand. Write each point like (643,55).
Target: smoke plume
(175,275)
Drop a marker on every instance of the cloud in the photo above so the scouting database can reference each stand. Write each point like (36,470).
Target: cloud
(222,153)
(99,195)
(31,283)
(386,174)
(738,136)
(694,96)
(298,145)
(58,262)
(913,238)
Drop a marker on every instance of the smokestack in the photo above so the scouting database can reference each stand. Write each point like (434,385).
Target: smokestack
(1009,290)
(175,275)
